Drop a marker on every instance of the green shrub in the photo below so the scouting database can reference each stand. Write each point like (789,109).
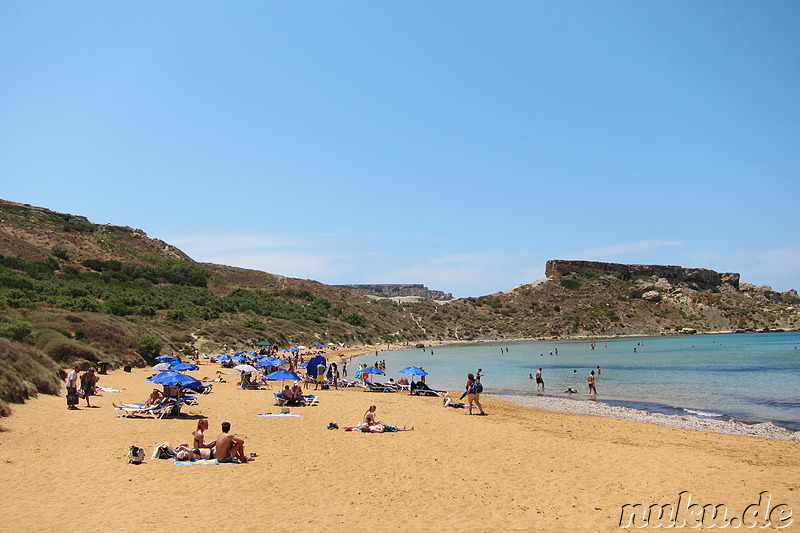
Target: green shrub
(354,319)
(149,347)
(15,329)
(571,284)
(60,251)
(254,323)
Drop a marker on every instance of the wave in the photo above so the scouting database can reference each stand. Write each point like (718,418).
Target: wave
(703,414)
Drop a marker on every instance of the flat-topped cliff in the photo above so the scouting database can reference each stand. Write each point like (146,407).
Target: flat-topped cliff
(698,278)
(390,290)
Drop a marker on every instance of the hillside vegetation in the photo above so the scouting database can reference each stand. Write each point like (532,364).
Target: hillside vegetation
(76,292)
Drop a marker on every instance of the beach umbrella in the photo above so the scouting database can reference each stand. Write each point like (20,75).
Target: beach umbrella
(245,368)
(413,371)
(251,353)
(282,374)
(263,343)
(239,358)
(170,378)
(313,363)
(284,350)
(240,352)
(373,370)
(166,358)
(303,365)
(183,367)
(270,361)
(161,366)
(224,357)
(302,348)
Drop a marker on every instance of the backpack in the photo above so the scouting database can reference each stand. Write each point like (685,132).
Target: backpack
(476,387)
(135,455)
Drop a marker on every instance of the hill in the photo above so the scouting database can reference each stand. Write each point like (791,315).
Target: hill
(73,291)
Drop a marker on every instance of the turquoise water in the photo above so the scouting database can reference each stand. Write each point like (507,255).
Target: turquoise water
(751,377)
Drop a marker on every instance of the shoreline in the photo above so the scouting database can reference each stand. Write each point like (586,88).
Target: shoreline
(730,426)
(726,424)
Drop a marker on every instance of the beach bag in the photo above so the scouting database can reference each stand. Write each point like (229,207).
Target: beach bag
(135,455)
(163,451)
(476,388)
(72,397)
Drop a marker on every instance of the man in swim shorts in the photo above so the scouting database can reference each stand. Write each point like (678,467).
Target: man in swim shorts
(539,380)
(229,447)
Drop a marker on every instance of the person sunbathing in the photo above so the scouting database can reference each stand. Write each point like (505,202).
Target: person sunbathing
(229,447)
(154,399)
(371,425)
(292,396)
(192,454)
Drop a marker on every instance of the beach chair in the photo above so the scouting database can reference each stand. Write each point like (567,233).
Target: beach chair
(310,399)
(279,399)
(421,389)
(168,406)
(199,389)
(370,386)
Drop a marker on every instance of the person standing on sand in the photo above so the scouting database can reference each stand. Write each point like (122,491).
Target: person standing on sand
(539,380)
(473,396)
(88,379)
(72,388)
(335,376)
(590,382)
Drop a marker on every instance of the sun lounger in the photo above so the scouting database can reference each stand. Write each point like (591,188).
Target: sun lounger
(167,407)
(420,389)
(369,386)
(307,399)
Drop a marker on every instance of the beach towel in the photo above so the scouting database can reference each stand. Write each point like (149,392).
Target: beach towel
(278,414)
(201,462)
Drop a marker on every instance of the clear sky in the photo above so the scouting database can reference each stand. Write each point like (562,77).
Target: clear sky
(457,144)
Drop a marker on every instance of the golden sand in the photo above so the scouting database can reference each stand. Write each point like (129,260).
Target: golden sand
(517,469)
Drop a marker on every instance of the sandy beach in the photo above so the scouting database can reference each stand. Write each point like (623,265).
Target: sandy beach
(518,469)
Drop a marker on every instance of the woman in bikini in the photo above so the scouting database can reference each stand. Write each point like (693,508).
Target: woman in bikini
(376,426)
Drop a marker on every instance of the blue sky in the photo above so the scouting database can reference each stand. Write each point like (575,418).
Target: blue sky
(458,144)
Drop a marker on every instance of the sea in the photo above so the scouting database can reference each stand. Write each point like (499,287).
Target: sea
(750,377)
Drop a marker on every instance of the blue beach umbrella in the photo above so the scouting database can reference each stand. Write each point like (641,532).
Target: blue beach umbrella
(271,361)
(166,358)
(373,370)
(183,367)
(170,378)
(281,375)
(224,357)
(413,371)
(239,358)
(303,365)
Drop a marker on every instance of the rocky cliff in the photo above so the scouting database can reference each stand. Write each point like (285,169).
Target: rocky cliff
(695,278)
(394,290)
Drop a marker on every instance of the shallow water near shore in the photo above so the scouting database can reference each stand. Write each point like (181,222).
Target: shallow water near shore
(749,377)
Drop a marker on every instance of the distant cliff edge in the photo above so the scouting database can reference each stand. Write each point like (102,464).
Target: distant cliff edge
(390,290)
